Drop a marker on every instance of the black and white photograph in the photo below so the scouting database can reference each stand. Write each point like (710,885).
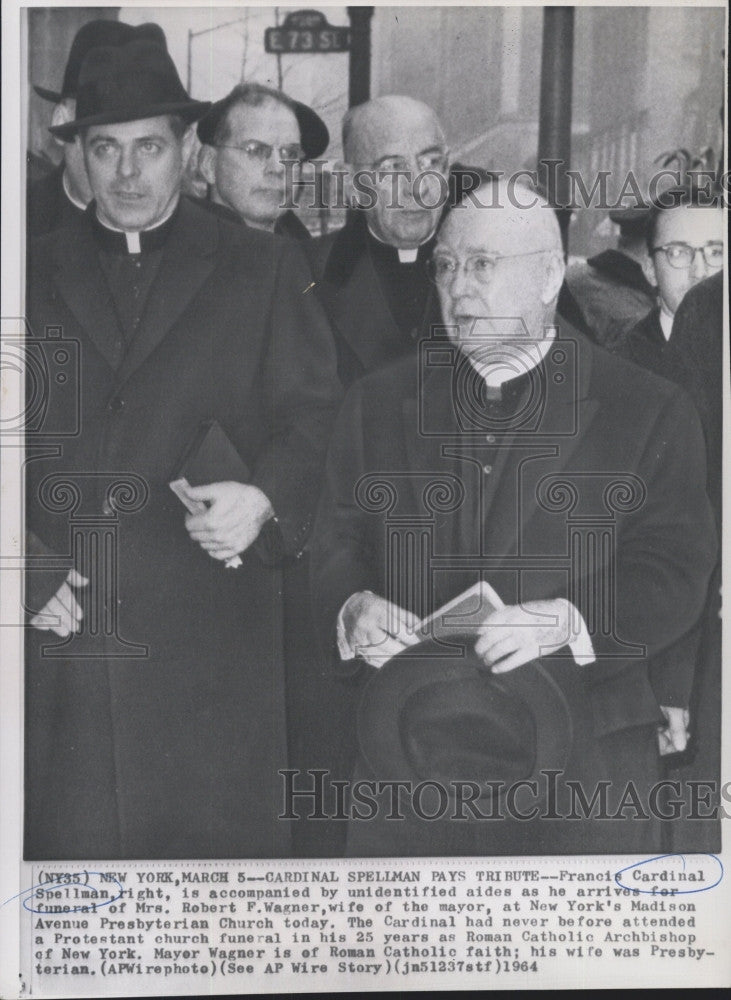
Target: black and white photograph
(364,374)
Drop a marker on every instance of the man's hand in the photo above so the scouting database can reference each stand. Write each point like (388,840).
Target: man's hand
(62,614)
(376,629)
(235,517)
(519,633)
(673,738)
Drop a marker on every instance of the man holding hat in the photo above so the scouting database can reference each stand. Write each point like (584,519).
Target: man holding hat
(156,727)
(65,192)
(251,141)
(514,453)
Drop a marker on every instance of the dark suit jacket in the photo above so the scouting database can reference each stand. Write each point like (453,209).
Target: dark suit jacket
(645,343)
(607,449)
(48,206)
(173,753)
(366,334)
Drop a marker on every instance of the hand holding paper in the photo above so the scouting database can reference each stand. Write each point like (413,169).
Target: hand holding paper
(232,522)
(376,629)
(517,634)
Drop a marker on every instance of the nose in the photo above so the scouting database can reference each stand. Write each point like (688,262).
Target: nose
(127,163)
(274,164)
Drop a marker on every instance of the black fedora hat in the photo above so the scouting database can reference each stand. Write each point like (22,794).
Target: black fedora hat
(124,84)
(93,35)
(427,717)
(314,135)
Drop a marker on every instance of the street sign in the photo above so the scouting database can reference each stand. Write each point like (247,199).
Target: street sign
(306,31)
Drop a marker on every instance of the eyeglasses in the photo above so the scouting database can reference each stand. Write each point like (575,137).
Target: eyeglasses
(682,255)
(442,269)
(262,151)
(435,159)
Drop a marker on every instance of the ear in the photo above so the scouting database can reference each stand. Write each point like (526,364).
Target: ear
(648,269)
(555,270)
(207,163)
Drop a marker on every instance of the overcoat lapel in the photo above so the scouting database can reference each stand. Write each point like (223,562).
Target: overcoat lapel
(80,282)
(361,317)
(188,261)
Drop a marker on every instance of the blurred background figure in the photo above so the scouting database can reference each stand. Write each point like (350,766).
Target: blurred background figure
(253,144)
(64,191)
(685,229)
(611,289)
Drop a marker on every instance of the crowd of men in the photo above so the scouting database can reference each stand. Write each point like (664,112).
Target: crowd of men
(379,418)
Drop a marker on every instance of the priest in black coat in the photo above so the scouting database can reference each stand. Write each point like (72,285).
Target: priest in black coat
(568,479)
(156,727)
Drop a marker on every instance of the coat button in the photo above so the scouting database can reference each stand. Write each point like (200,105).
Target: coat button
(116,404)
(487,469)
(490,439)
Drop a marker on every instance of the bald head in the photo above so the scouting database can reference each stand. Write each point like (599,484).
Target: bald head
(399,143)
(387,120)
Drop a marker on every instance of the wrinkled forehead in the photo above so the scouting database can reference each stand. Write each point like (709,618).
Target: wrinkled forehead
(499,228)
(270,119)
(689,224)
(396,130)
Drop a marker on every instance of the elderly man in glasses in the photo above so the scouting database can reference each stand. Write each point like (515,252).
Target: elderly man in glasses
(250,140)
(514,452)
(685,245)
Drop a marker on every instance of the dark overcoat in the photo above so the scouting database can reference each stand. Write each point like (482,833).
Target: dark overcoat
(159,731)
(595,493)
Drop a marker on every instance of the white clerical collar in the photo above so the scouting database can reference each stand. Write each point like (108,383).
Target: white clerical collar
(666,322)
(525,357)
(74,200)
(133,237)
(405,255)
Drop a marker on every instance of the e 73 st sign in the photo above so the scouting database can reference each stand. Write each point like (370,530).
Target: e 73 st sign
(306,31)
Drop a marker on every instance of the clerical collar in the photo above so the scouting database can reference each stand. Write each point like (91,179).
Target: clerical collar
(74,201)
(666,322)
(121,242)
(405,256)
(500,376)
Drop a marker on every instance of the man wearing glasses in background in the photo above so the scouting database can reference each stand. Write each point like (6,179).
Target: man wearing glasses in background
(685,245)
(248,139)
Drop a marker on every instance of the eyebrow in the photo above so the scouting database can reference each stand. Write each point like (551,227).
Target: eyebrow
(422,152)
(140,138)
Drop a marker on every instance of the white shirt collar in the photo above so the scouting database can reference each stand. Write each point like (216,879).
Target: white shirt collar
(666,322)
(527,356)
(405,256)
(133,237)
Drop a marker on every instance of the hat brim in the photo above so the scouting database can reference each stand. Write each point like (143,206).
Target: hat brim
(314,134)
(190,111)
(48,95)
(380,710)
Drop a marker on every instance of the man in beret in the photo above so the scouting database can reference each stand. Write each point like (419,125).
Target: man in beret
(515,453)
(155,727)
(65,191)
(252,140)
